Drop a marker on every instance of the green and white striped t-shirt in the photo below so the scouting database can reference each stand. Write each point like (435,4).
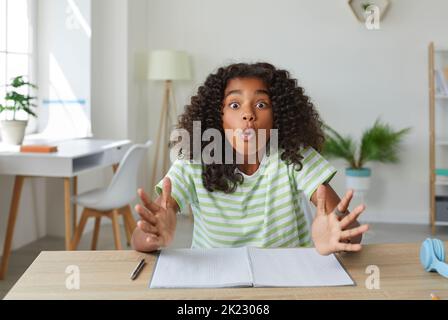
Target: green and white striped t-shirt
(264,211)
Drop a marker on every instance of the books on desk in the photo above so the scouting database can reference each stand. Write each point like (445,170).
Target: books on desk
(38,148)
(247,267)
(27,148)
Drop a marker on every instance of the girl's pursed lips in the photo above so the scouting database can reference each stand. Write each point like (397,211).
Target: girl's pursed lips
(247,133)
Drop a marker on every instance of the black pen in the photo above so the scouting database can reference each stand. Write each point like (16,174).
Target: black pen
(137,269)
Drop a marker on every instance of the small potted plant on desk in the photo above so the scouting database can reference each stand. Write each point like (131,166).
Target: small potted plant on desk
(379,143)
(13,129)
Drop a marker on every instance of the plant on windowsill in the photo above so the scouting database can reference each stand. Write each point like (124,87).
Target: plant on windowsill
(380,143)
(13,129)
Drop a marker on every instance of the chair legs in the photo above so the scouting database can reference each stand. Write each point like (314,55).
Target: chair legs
(80,228)
(128,219)
(116,229)
(96,232)
(127,230)
(129,223)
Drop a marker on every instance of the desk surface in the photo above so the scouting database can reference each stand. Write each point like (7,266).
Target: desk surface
(105,275)
(72,158)
(72,148)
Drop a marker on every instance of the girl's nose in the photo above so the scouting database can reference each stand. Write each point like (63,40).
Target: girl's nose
(248,116)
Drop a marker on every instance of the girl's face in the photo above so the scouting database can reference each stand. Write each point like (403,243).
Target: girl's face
(246,109)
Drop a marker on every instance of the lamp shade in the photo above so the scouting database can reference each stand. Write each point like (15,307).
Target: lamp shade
(169,65)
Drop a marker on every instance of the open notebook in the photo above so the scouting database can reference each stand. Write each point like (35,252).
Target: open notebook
(247,267)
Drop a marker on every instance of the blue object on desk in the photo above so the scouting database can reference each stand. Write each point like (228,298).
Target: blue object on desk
(432,256)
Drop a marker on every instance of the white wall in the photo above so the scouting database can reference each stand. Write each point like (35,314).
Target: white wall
(63,49)
(353,75)
(64,67)
(119,95)
(109,69)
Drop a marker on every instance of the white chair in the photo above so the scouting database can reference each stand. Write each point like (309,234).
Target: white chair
(113,200)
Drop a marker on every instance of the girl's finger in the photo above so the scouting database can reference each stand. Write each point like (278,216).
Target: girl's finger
(152,243)
(348,219)
(348,247)
(147,227)
(345,201)
(166,192)
(146,214)
(152,206)
(348,234)
(143,196)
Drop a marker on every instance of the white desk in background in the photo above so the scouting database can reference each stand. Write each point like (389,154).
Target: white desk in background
(72,158)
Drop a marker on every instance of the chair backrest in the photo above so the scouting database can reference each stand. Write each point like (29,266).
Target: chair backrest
(123,187)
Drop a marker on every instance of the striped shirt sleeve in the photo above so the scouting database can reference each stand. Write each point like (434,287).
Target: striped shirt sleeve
(181,185)
(316,170)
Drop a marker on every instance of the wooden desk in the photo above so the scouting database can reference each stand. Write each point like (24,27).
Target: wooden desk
(72,158)
(105,275)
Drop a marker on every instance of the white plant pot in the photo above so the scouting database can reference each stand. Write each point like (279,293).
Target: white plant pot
(13,131)
(358,180)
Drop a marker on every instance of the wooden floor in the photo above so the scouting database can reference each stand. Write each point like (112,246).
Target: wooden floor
(23,257)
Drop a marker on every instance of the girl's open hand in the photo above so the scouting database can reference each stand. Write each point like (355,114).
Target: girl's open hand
(158,221)
(328,233)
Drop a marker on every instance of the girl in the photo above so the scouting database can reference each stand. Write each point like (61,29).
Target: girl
(251,203)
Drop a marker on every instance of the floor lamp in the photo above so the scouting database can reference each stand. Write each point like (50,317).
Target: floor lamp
(167,66)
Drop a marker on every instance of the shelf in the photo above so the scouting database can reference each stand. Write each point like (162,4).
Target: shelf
(443,182)
(442,142)
(438,99)
(441,176)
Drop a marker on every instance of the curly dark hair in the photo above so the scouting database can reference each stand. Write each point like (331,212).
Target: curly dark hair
(294,115)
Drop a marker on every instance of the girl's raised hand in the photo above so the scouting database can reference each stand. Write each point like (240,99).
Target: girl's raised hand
(158,220)
(328,233)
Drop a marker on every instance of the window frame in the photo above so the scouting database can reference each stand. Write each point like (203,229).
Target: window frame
(31,54)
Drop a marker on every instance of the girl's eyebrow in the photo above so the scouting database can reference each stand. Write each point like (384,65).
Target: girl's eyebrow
(260,91)
(233,92)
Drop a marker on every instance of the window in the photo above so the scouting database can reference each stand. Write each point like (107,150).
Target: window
(17,47)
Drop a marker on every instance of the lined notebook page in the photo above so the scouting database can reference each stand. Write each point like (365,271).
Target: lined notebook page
(202,268)
(296,267)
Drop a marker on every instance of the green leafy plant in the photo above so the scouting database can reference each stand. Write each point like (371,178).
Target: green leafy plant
(379,143)
(15,101)
(366,5)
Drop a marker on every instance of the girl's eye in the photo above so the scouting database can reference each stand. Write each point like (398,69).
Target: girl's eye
(261,105)
(234,105)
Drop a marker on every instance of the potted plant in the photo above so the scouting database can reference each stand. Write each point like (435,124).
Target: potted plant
(379,143)
(366,5)
(13,129)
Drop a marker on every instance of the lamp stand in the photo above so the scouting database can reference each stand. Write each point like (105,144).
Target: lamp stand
(164,126)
